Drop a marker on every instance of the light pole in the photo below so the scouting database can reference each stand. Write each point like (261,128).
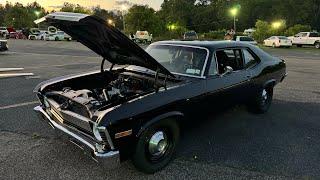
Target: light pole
(37,14)
(234,12)
(123,9)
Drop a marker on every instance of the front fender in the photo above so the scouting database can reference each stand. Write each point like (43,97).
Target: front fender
(126,145)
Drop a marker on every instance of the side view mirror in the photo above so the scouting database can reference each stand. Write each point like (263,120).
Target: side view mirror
(227,70)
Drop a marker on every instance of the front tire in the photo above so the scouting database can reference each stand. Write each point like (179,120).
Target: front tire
(262,101)
(317,45)
(156,146)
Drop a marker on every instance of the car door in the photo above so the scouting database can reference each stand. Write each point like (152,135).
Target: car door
(225,88)
(250,62)
(304,39)
(297,39)
(267,42)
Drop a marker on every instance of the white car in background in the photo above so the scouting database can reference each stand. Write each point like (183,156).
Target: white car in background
(245,39)
(249,32)
(59,36)
(143,37)
(43,35)
(34,34)
(306,39)
(4,32)
(67,37)
(278,41)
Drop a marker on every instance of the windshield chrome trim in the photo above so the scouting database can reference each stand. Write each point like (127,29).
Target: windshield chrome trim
(202,76)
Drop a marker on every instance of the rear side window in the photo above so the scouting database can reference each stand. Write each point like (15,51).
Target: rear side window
(314,34)
(249,58)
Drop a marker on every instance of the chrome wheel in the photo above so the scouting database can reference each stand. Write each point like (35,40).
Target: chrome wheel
(158,144)
(264,96)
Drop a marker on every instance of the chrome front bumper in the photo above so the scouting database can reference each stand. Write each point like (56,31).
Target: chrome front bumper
(104,157)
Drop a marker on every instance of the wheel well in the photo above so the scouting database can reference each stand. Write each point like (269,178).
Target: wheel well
(270,84)
(176,116)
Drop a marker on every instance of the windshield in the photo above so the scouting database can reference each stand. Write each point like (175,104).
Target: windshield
(180,59)
(190,34)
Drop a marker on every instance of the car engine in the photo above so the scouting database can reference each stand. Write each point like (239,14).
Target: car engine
(86,101)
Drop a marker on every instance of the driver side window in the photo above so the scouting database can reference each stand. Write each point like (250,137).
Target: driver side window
(229,57)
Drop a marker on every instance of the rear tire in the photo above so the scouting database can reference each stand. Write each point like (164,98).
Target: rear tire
(56,39)
(262,101)
(273,45)
(156,146)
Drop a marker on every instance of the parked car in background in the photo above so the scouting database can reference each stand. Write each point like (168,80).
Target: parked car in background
(34,34)
(17,35)
(278,41)
(4,33)
(59,36)
(306,39)
(136,111)
(67,37)
(190,35)
(3,45)
(249,32)
(143,37)
(245,39)
(43,34)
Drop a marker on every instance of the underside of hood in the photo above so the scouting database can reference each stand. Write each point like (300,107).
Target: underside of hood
(103,39)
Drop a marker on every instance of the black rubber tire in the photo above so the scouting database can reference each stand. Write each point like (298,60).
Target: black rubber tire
(141,159)
(273,45)
(317,45)
(259,105)
(56,39)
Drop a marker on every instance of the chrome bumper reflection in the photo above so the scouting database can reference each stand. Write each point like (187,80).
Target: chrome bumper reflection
(80,140)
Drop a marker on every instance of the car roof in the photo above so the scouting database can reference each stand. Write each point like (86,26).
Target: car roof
(206,44)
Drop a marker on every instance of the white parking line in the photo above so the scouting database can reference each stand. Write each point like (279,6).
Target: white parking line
(59,65)
(18,105)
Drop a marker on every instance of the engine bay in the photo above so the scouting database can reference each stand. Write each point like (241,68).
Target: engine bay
(116,91)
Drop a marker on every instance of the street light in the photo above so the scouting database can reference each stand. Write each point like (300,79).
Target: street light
(277,24)
(110,22)
(234,12)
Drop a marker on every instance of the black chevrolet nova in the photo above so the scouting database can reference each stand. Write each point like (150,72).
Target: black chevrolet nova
(135,108)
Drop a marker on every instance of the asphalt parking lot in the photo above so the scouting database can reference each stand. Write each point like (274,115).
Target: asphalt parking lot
(233,144)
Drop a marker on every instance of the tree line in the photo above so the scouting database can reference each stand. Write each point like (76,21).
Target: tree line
(176,16)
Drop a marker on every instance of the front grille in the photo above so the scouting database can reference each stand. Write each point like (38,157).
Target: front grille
(103,136)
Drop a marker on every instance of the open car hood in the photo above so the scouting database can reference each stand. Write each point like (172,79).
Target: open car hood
(103,39)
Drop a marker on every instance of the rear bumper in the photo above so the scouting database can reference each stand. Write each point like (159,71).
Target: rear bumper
(104,157)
